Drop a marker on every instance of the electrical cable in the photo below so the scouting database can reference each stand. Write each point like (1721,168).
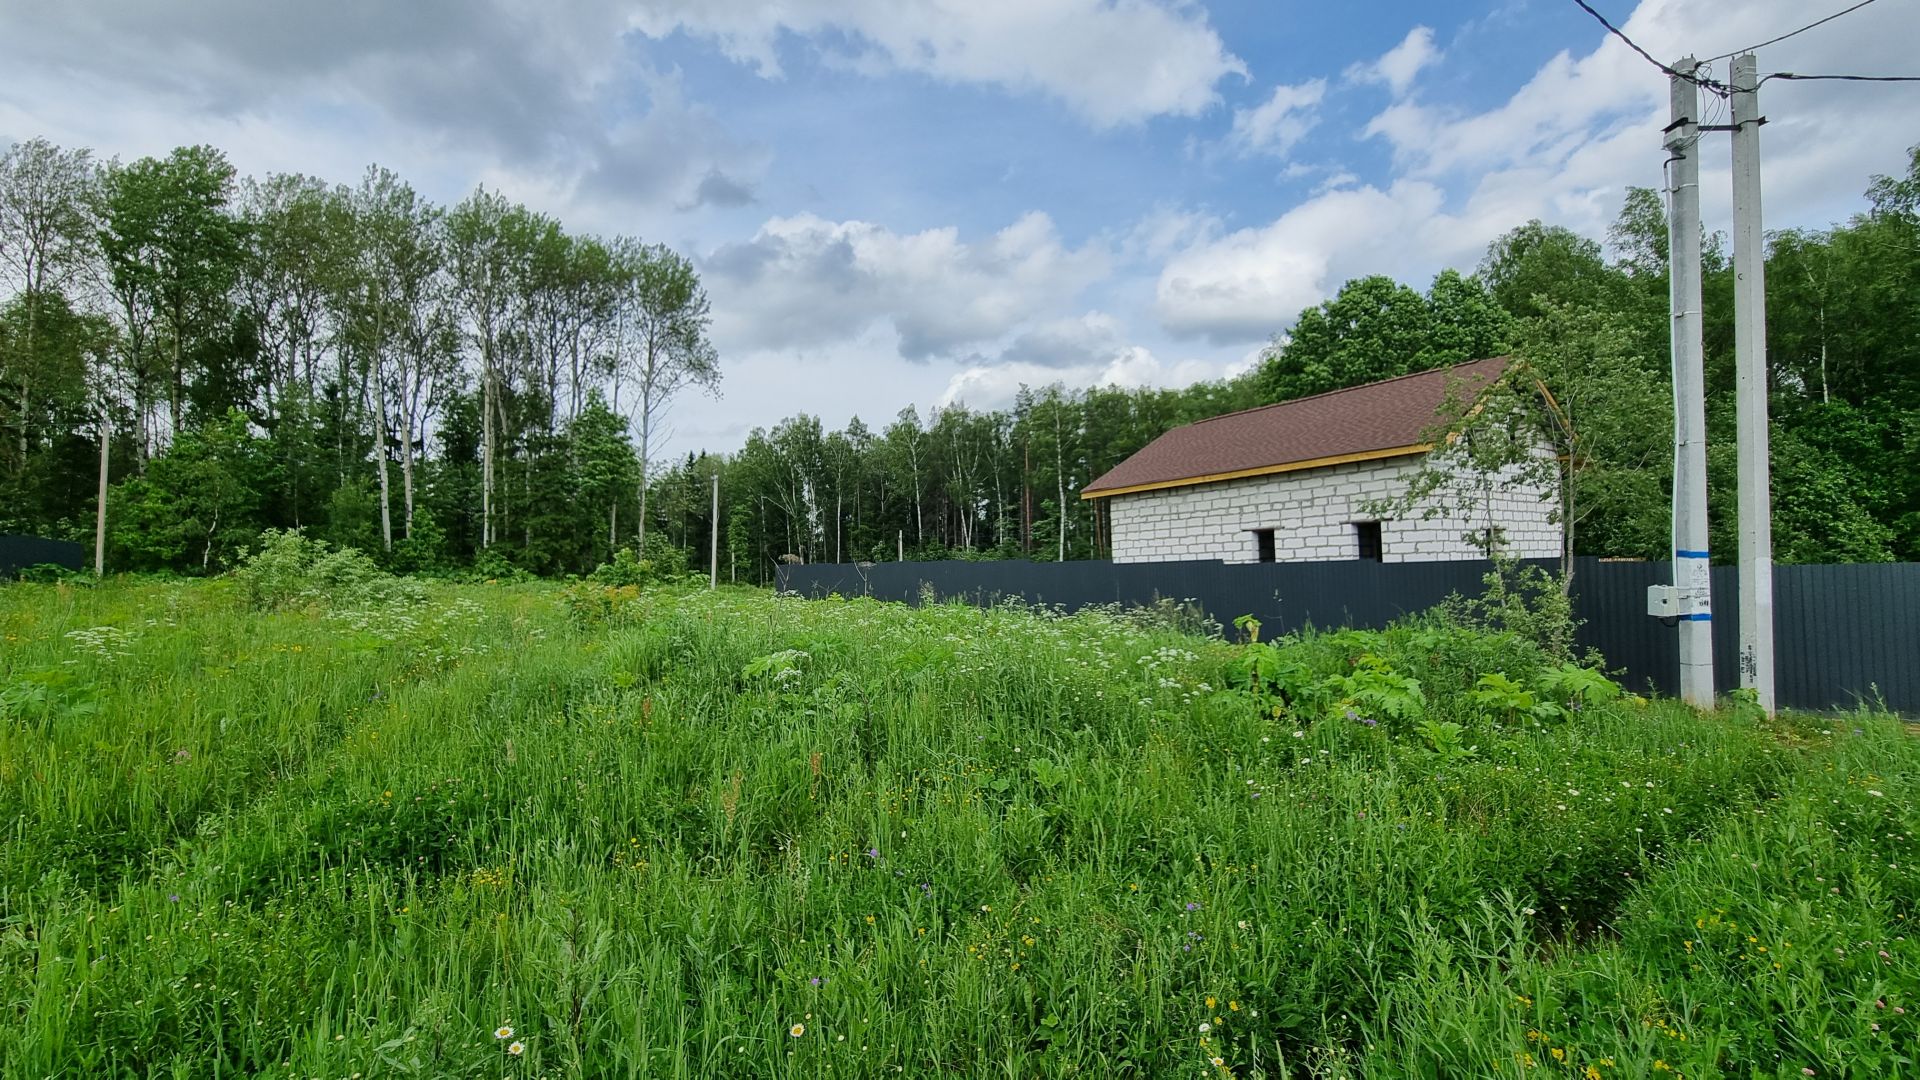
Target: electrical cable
(1793,33)
(1840,78)
(1706,84)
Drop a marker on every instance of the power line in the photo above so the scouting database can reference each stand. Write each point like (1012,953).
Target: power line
(1841,78)
(1708,84)
(1794,33)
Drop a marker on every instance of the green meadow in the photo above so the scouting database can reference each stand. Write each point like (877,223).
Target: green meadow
(526,830)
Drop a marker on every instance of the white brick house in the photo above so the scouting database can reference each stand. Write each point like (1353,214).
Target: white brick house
(1293,482)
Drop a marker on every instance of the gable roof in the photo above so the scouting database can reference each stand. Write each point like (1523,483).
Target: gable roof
(1360,423)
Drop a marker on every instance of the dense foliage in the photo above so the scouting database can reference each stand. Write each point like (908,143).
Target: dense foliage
(270,826)
(452,387)
(437,387)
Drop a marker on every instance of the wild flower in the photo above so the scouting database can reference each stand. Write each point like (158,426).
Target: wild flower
(104,643)
(797,1030)
(516,1048)
(503,1032)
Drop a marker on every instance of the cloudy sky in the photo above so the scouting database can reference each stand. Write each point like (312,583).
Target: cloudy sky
(900,202)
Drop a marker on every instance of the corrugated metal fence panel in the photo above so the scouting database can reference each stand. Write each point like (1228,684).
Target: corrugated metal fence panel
(19,552)
(1843,634)
(1846,634)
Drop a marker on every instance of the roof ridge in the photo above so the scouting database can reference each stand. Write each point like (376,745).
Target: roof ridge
(1350,389)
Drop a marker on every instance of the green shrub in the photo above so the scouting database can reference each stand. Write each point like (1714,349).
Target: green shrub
(291,570)
(1521,599)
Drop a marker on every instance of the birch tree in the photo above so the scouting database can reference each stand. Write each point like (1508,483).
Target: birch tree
(666,315)
(46,243)
(484,262)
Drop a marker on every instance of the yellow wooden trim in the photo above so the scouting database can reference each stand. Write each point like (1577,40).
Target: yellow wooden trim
(1264,470)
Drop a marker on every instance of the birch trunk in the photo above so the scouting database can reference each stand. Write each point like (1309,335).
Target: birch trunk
(486,445)
(380,456)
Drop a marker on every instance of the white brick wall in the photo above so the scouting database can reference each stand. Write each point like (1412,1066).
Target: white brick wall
(1311,513)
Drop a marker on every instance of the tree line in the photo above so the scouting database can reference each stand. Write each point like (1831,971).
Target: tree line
(436,385)
(473,386)
(1590,322)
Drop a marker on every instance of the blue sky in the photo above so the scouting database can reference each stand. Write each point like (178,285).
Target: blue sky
(924,202)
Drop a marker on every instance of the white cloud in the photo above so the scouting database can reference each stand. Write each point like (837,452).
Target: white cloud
(993,386)
(1250,283)
(1276,124)
(548,104)
(1164,231)
(805,281)
(1062,343)
(1110,61)
(1400,64)
(1336,180)
(1563,148)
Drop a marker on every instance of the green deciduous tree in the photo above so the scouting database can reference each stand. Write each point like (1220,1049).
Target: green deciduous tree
(664,315)
(173,252)
(199,503)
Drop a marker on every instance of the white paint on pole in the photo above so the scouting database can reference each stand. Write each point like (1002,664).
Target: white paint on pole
(1750,364)
(713,551)
(1690,557)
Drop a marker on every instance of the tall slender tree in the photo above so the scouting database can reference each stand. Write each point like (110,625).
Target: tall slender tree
(666,316)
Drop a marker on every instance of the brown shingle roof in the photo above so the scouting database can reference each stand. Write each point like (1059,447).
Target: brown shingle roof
(1382,419)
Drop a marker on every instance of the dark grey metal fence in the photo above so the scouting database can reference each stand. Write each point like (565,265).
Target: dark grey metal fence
(1843,634)
(19,552)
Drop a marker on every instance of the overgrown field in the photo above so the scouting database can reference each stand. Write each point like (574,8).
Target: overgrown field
(670,833)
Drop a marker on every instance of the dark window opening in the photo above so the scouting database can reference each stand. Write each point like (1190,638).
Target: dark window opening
(1263,540)
(1369,536)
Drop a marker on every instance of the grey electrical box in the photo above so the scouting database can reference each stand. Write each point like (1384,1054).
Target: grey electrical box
(1674,602)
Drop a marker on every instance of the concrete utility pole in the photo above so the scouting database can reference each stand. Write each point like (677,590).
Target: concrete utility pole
(1750,362)
(713,552)
(1691,576)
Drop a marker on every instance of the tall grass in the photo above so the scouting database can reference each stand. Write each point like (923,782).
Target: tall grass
(657,834)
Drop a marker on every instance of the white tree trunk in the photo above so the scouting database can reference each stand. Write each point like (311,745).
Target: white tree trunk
(379,404)
(486,446)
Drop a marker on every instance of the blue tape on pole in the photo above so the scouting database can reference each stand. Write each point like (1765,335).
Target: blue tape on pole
(1696,617)
(1690,555)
